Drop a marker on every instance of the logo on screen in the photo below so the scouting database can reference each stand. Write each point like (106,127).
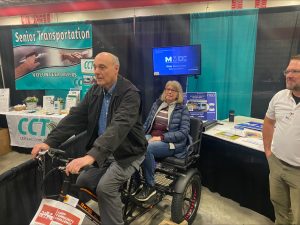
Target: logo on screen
(175,59)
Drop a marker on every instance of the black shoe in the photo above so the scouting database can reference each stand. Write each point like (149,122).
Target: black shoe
(145,194)
(136,187)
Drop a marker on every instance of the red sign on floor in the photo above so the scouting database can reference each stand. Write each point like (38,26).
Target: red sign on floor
(55,212)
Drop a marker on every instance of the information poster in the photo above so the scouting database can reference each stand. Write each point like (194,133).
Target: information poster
(49,57)
(202,105)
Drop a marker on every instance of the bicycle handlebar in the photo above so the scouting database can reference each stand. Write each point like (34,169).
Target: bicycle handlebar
(54,153)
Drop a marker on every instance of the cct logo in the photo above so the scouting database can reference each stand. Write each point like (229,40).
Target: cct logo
(32,126)
(88,65)
(78,82)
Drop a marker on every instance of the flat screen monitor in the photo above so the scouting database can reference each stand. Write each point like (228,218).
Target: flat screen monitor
(177,60)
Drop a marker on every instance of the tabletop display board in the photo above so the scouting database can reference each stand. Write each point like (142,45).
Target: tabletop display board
(202,105)
(88,77)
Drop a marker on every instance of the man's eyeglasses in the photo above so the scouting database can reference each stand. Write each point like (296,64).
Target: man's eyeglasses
(170,89)
(293,72)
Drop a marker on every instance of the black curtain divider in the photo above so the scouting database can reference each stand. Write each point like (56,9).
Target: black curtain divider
(20,194)
(115,36)
(278,37)
(1,80)
(152,32)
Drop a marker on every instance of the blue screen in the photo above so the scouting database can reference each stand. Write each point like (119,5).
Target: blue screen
(179,60)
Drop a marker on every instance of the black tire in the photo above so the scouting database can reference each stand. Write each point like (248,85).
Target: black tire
(185,205)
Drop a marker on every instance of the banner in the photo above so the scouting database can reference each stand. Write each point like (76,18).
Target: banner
(236,4)
(36,18)
(48,57)
(55,212)
(260,3)
(202,104)
(28,129)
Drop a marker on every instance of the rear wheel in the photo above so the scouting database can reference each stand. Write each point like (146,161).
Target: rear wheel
(185,205)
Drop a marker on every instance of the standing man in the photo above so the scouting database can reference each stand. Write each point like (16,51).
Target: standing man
(111,114)
(281,136)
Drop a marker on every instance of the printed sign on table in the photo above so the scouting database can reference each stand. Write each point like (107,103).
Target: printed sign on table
(26,130)
(202,104)
(4,100)
(48,57)
(88,77)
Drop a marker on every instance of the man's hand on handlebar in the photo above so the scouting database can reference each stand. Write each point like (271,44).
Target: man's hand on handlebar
(39,147)
(76,164)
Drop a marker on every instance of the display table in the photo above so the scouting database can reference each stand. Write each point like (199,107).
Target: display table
(26,129)
(249,138)
(236,168)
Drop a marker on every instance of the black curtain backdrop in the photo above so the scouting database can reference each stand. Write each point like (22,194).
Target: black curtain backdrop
(115,36)
(156,32)
(278,38)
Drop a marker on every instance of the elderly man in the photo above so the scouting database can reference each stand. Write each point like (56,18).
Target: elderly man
(111,114)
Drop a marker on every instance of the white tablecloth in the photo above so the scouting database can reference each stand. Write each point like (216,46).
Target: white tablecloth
(27,129)
(248,138)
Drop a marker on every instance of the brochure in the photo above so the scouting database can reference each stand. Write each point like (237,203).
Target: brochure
(4,100)
(249,125)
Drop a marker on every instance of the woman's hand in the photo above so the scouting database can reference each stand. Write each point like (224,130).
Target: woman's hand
(154,138)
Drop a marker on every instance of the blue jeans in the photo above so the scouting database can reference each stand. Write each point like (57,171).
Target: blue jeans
(156,149)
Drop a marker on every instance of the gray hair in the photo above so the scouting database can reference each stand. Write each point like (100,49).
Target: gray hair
(177,86)
(115,59)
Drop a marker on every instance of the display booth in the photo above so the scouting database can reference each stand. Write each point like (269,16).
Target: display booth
(243,54)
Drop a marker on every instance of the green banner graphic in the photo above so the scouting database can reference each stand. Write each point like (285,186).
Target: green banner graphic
(48,57)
